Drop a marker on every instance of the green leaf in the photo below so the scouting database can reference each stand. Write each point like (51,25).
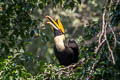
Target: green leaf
(79,1)
(28,53)
(41,5)
(32,33)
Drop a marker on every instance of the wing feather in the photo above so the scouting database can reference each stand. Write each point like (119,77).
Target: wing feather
(73,45)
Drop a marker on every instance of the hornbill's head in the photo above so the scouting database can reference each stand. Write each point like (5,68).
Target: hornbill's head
(58,33)
(56,26)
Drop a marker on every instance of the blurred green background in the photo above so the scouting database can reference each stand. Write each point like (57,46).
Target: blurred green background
(26,41)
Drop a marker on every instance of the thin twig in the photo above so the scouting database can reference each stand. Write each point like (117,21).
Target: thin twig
(95,38)
(114,36)
(69,70)
(100,43)
(111,52)
(103,28)
(109,48)
(99,46)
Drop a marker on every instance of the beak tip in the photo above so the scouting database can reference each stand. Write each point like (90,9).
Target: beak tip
(47,16)
(48,22)
(56,25)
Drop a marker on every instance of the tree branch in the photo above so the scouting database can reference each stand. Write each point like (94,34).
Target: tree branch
(95,38)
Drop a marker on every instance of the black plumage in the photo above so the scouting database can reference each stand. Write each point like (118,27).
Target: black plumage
(69,55)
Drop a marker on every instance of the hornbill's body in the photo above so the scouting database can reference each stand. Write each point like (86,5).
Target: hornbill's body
(65,51)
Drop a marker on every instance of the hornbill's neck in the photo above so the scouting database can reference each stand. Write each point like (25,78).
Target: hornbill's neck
(59,38)
(59,42)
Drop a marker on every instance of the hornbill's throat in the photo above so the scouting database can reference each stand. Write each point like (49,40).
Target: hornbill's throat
(57,25)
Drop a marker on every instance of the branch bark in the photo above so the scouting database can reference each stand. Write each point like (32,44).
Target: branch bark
(95,38)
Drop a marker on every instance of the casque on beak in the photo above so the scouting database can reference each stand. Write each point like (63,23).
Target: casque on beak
(56,25)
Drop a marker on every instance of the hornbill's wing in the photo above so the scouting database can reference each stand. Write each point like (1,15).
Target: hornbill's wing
(65,57)
(73,45)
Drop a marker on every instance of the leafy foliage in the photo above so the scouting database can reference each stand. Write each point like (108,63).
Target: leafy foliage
(26,43)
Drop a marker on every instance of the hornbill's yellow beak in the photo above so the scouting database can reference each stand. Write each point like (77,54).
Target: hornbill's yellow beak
(57,25)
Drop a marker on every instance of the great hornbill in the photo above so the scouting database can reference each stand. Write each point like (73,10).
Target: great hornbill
(66,51)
